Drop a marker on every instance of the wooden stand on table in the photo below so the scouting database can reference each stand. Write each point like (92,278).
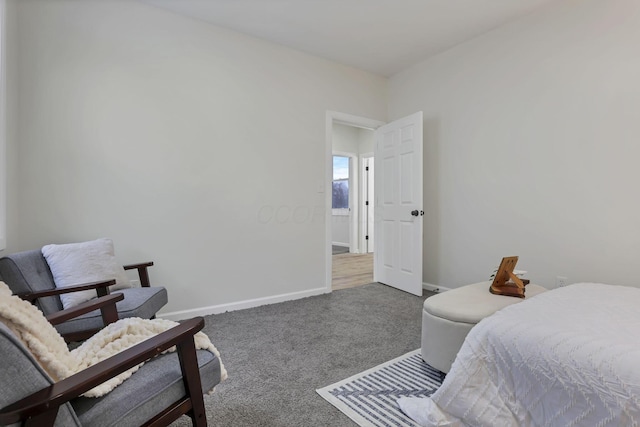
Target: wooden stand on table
(505,282)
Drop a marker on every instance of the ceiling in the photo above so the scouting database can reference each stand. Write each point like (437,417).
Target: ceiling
(380,36)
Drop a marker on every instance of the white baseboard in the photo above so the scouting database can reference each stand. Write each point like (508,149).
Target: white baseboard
(340,244)
(240,305)
(434,288)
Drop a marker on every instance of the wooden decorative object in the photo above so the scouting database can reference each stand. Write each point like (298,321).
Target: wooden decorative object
(505,282)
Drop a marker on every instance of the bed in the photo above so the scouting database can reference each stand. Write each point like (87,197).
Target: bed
(569,357)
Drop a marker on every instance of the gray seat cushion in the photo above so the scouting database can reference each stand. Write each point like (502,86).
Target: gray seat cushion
(137,302)
(155,386)
(152,388)
(21,375)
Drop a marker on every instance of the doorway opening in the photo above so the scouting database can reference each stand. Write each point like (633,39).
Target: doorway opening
(350,214)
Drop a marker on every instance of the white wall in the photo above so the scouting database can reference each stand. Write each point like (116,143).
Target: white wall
(345,139)
(365,141)
(340,230)
(3,133)
(11,127)
(531,147)
(196,147)
(351,139)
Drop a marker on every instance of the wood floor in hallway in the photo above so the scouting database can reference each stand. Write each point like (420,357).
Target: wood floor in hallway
(351,270)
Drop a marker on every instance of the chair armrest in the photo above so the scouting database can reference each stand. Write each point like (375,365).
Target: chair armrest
(139,265)
(101,287)
(143,274)
(80,309)
(45,403)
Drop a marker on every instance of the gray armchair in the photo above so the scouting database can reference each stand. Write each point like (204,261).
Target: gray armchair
(164,388)
(27,274)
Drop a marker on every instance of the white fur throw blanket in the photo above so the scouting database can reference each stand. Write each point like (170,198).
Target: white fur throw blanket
(50,350)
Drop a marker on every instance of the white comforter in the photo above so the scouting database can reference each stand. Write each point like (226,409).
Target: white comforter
(569,357)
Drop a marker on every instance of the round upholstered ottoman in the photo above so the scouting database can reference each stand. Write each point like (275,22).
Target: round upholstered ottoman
(448,317)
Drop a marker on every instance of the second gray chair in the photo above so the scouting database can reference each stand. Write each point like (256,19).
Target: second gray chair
(27,273)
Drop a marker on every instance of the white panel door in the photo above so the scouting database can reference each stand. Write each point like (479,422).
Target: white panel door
(398,207)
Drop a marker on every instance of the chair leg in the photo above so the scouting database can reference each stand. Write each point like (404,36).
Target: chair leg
(109,314)
(192,383)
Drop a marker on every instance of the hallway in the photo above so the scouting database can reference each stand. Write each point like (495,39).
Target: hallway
(351,270)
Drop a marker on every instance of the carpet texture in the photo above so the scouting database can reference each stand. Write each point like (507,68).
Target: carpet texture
(278,355)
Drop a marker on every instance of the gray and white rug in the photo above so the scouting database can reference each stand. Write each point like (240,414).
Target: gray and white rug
(369,398)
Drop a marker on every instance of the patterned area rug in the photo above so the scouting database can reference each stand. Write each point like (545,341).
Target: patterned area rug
(369,398)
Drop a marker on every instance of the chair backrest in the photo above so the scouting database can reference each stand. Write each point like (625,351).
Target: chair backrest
(28,272)
(21,375)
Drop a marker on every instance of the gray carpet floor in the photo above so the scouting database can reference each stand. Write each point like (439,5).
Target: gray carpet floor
(278,355)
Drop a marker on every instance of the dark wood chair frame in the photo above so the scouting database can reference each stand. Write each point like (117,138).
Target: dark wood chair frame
(41,407)
(108,310)
(143,274)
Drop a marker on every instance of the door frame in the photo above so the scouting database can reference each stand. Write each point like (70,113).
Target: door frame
(349,120)
(363,217)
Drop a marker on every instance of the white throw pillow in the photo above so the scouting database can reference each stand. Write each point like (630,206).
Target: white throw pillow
(86,262)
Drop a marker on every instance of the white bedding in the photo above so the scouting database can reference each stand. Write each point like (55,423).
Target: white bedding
(569,357)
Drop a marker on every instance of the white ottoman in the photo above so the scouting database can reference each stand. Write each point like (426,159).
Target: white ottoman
(448,317)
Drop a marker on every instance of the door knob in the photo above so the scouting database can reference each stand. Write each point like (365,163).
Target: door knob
(415,213)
